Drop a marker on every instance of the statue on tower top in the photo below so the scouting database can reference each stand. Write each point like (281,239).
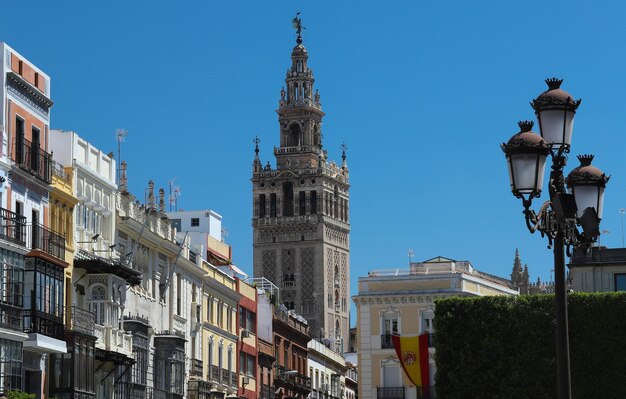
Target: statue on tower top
(297,25)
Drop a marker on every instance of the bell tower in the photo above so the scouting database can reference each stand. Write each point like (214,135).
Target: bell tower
(301,210)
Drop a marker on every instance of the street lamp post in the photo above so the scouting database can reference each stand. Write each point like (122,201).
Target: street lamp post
(559,218)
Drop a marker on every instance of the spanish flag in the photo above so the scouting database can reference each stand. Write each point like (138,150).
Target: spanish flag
(413,355)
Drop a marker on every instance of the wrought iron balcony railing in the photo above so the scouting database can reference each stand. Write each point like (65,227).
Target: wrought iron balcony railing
(36,321)
(196,367)
(46,240)
(12,227)
(79,320)
(386,342)
(32,159)
(10,317)
(390,393)
(214,374)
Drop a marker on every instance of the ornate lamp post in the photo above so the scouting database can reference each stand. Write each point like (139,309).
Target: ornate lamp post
(560,217)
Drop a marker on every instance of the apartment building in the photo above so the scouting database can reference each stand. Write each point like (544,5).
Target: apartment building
(32,282)
(402,302)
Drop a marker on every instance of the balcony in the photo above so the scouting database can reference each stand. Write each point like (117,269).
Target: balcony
(226,380)
(297,380)
(79,320)
(32,159)
(10,317)
(12,227)
(214,374)
(386,342)
(38,322)
(265,392)
(113,340)
(390,393)
(43,239)
(96,264)
(196,368)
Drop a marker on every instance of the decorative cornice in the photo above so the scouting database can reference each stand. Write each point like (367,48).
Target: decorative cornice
(27,92)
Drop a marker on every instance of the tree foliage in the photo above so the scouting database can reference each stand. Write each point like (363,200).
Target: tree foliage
(505,347)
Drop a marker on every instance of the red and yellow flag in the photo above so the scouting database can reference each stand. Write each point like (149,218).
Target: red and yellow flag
(413,355)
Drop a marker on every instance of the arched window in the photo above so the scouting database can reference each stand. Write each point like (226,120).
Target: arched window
(287,199)
(294,135)
(97,303)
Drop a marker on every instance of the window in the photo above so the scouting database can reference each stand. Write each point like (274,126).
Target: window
(176,224)
(195,222)
(392,376)
(220,360)
(287,199)
(140,355)
(97,303)
(247,364)
(209,309)
(230,364)
(390,326)
(220,314)
(179,291)
(34,160)
(12,282)
(210,354)
(262,205)
(302,203)
(19,139)
(620,282)
(10,365)
(247,320)
(272,205)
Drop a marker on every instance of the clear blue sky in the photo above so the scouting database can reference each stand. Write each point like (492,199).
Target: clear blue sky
(423,92)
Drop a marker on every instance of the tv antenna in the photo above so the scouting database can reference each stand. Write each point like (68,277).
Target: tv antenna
(119,137)
(174,194)
(621,212)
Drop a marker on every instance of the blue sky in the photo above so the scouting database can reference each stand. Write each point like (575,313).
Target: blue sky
(422,92)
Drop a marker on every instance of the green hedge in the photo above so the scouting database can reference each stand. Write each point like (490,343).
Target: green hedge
(504,347)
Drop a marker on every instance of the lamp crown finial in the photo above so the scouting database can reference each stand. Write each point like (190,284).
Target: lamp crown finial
(585,159)
(525,126)
(554,83)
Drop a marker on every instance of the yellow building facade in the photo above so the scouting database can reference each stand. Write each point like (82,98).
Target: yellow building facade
(62,203)
(402,302)
(220,301)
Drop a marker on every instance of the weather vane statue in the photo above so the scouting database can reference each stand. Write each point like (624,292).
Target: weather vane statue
(297,25)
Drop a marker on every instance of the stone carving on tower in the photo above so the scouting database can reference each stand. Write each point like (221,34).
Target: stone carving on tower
(301,210)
